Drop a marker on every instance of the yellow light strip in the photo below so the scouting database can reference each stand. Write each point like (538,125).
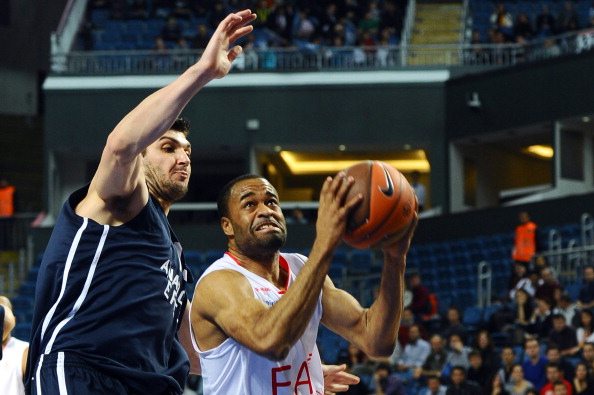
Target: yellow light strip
(333,166)
(542,151)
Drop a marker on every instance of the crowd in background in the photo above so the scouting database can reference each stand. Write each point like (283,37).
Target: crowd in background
(537,338)
(188,24)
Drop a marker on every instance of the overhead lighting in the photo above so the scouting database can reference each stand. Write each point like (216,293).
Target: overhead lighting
(278,148)
(585,119)
(418,162)
(542,151)
(342,147)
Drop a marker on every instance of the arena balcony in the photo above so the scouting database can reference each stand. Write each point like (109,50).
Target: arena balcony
(311,58)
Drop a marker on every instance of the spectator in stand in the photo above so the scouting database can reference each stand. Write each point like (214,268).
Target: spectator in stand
(588,358)
(554,355)
(457,352)
(172,31)
(554,375)
(585,328)
(435,362)
(496,386)
(541,321)
(434,387)
(328,21)
(408,320)
(545,23)
(586,295)
(508,358)
(547,286)
(563,336)
(477,371)
(568,19)
(524,312)
(525,239)
(502,21)
(304,25)
(564,305)
(523,27)
(420,304)
(520,280)
(534,365)
(517,384)
(360,365)
(414,354)
(484,345)
(453,324)
(582,383)
(477,54)
(7,192)
(459,385)
(391,19)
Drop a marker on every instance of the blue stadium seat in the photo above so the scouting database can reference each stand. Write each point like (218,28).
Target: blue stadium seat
(472,317)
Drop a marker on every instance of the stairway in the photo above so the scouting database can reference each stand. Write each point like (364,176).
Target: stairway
(436,23)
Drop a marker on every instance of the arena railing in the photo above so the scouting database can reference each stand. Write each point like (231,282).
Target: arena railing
(138,62)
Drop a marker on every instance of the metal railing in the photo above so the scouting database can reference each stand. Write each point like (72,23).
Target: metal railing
(327,58)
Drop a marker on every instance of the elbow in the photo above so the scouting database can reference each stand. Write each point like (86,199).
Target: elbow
(275,349)
(382,349)
(120,148)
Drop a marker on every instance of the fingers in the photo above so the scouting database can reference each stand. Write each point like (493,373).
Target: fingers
(346,378)
(242,31)
(234,53)
(331,369)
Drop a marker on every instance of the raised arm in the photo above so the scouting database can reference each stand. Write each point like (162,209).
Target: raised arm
(373,330)
(120,172)
(225,306)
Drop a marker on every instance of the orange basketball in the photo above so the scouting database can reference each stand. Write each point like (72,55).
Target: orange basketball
(388,205)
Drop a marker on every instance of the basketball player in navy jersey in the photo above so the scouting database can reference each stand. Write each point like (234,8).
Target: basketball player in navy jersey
(110,293)
(256,311)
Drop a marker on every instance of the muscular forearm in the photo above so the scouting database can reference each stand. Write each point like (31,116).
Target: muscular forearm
(382,319)
(285,322)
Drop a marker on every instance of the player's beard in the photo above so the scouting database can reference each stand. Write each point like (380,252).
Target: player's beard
(161,187)
(256,246)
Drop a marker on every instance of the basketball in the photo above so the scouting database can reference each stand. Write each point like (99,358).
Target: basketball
(388,205)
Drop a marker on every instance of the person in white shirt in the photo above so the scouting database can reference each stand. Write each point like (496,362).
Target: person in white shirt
(13,359)
(256,311)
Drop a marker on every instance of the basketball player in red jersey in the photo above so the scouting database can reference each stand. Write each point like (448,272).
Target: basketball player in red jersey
(256,311)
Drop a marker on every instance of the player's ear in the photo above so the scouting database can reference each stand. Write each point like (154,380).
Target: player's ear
(227,226)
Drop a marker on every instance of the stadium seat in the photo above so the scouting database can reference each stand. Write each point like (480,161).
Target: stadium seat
(472,317)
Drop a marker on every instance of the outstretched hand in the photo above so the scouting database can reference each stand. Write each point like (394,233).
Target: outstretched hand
(217,56)
(336,379)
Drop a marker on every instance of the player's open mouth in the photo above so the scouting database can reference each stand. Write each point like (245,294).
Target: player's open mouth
(267,226)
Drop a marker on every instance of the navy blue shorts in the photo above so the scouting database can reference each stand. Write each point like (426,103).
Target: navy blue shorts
(62,373)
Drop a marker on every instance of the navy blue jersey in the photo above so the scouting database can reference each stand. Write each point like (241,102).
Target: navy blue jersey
(114,296)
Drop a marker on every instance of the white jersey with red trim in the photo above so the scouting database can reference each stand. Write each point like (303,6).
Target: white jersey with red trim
(231,368)
(11,367)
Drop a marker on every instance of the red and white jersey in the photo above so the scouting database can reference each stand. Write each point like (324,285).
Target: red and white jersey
(11,367)
(231,368)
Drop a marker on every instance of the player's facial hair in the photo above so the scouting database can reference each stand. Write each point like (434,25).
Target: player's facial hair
(161,187)
(260,246)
